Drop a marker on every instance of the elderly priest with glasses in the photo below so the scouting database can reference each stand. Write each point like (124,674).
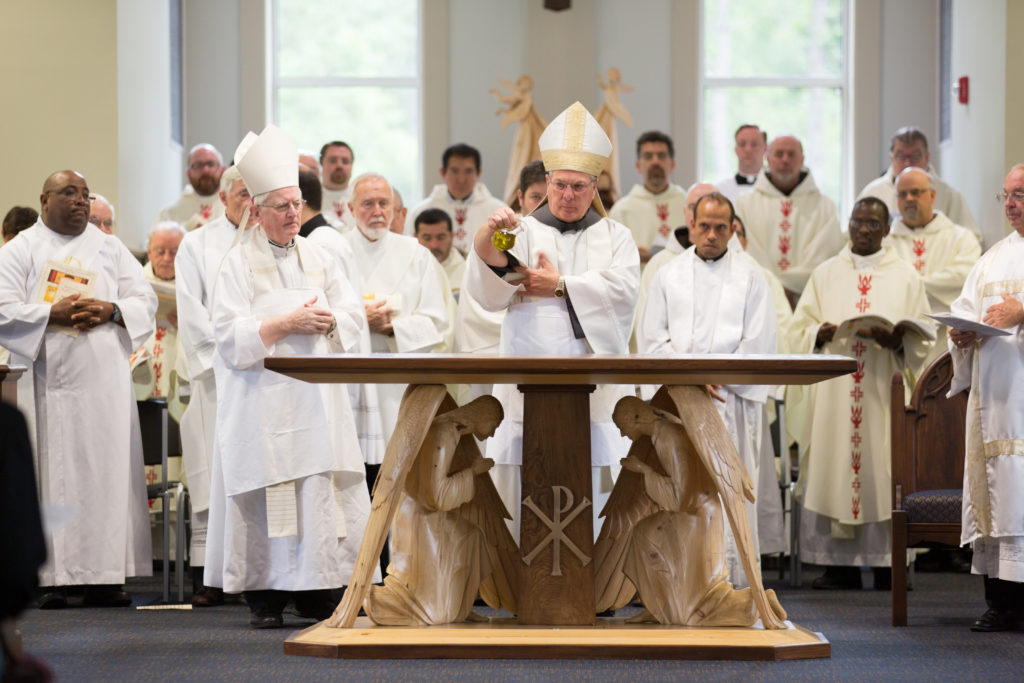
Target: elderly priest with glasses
(569,284)
(288,500)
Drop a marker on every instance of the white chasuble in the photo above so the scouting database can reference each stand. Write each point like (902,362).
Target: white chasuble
(274,430)
(791,234)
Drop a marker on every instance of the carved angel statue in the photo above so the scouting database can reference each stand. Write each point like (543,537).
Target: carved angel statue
(449,538)
(524,147)
(663,534)
(611,109)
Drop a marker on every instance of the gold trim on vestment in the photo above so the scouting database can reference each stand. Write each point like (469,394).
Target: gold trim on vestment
(573,160)
(1002,287)
(1004,447)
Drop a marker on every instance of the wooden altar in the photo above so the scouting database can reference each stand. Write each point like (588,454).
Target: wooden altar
(556,542)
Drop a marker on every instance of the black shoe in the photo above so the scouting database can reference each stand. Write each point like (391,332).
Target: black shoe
(208,596)
(998,620)
(54,599)
(106,596)
(315,604)
(883,578)
(266,620)
(839,578)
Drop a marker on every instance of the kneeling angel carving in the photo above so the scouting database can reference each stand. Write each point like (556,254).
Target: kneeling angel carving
(663,534)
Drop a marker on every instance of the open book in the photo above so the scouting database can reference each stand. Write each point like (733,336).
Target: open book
(965,325)
(862,324)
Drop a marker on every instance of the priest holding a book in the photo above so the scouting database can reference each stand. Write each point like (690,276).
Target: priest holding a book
(867,303)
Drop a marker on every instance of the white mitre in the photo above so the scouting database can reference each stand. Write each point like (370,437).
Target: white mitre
(267,161)
(575,141)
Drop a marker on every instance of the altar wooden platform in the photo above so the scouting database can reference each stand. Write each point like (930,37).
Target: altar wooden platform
(505,639)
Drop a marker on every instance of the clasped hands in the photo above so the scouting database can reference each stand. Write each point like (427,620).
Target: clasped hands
(81,313)
(883,337)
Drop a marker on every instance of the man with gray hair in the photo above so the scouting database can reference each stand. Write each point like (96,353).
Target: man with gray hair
(198,203)
(196,266)
(154,361)
(101,213)
(403,285)
(909,147)
(941,252)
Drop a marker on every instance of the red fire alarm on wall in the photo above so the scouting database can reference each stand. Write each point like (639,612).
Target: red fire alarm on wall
(961,88)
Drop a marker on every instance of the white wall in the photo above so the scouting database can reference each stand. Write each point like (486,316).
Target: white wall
(974,161)
(149,162)
(212,70)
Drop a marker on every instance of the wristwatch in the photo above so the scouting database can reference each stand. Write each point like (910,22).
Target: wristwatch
(115,315)
(560,288)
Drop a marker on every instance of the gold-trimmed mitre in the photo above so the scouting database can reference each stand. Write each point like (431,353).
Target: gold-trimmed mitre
(575,141)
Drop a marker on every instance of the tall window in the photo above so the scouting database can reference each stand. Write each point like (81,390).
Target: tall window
(346,70)
(781,67)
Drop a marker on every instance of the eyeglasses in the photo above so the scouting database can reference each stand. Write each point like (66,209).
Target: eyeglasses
(871,225)
(914,157)
(106,223)
(1017,197)
(200,165)
(71,194)
(915,193)
(283,208)
(561,186)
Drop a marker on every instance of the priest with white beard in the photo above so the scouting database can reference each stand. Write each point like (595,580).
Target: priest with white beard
(288,499)
(791,226)
(196,266)
(569,286)
(993,507)
(711,299)
(403,288)
(941,252)
(842,424)
(73,305)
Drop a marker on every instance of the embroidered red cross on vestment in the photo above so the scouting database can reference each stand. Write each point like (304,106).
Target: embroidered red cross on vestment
(460,216)
(206,210)
(856,416)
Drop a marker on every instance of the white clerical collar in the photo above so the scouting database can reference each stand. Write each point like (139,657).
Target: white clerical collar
(467,200)
(281,249)
(869,262)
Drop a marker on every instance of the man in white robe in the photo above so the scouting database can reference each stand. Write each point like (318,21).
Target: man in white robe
(196,266)
(751,145)
(478,330)
(941,252)
(433,230)
(791,226)
(462,196)
(336,158)
(569,287)
(198,203)
(403,289)
(654,209)
(909,147)
(845,483)
(154,361)
(77,335)
(101,213)
(711,299)
(288,500)
(993,507)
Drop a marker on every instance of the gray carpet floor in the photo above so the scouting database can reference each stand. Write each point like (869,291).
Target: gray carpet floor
(127,644)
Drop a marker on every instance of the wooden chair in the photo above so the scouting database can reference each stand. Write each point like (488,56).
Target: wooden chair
(927,470)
